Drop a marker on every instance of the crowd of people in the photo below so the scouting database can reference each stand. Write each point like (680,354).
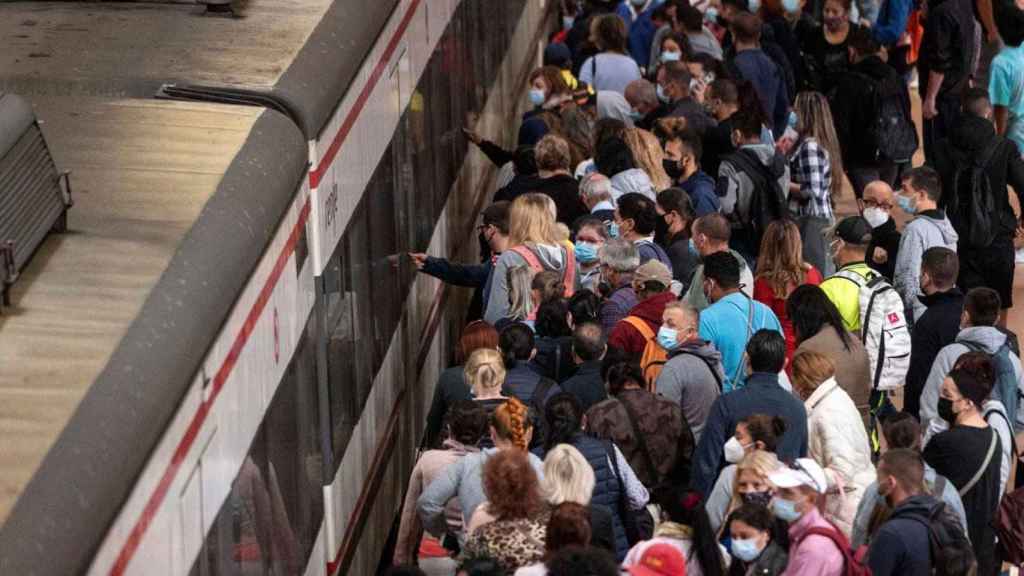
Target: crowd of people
(682,358)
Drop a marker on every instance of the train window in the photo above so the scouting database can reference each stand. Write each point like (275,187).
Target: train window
(270,520)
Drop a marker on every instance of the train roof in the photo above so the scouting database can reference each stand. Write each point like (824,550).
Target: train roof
(302,54)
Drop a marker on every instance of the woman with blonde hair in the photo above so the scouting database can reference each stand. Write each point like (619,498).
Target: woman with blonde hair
(780,269)
(533,242)
(836,438)
(568,477)
(485,374)
(649,156)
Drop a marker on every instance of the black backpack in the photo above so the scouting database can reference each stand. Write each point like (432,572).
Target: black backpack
(768,201)
(970,202)
(951,551)
(894,132)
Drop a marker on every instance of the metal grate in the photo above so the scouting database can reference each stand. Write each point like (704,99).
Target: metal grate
(34,196)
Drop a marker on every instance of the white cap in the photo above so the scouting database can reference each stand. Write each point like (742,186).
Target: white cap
(802,472)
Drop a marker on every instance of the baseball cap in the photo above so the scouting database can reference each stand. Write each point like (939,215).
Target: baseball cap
(652,270)
(801,472)
(853,230)
(557,54)
(660,560)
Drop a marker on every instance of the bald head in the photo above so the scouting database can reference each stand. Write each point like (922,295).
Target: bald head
(642,95)
(880,192)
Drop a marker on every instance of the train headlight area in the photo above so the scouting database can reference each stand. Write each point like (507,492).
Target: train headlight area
(215,363)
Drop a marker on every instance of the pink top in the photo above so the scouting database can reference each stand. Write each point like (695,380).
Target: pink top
(816,555)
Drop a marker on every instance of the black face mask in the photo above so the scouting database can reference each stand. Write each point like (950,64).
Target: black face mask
(672,168)
(946,411)
(661,231)
(759,498)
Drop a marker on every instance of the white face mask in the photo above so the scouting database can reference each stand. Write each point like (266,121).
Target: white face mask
(876,216)
(734,451)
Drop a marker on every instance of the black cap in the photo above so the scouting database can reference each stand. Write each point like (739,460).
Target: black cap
(557,54)
(854,230)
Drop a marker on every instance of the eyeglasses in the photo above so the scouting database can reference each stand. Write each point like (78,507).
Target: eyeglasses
(876,204)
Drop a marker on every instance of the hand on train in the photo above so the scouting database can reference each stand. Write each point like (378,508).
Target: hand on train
(419,259)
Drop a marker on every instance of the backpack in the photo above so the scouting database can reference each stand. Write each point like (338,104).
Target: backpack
(654,356)
(568,277)
(950,550)
(894,133)
(971,202)
(854,563)
(767,201)
(883,329)
(1006,388)
(1009,528)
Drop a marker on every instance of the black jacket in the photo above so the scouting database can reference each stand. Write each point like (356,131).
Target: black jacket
(696,118)
(901,545)
(586,385)
(684,263)
(562,188)
(948,45)
(969,138)
(855,114)
(886,237)
(717,144)
(937,327)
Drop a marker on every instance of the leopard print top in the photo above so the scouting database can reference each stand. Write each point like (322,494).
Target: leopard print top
(511,543)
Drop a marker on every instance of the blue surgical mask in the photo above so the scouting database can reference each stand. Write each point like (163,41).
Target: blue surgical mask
(793,119)
(755,5)
(711,15)
(586,252)
(536,97)
(791,6)
(613,229)
(667,337)
(661,94)
(671,56)
(745,550)
(693,249)
(567,22)
(907,204)
(635,115)
(785,510)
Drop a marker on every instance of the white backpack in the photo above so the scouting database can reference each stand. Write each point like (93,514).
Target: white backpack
(883,329)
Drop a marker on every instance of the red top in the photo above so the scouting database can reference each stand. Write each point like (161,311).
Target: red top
(764,294)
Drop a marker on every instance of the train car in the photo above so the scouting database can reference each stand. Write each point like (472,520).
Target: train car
(223,366)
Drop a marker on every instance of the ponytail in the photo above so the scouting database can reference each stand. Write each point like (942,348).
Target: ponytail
(511,421)
(564,418)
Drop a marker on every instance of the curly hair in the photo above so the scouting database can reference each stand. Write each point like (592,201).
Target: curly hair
(511,421)
(511,486)
(569,526)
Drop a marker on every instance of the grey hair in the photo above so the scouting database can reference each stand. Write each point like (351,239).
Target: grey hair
(689,311)
(568,477)
(596,187)
(519,292)
(643,91)
(620,255)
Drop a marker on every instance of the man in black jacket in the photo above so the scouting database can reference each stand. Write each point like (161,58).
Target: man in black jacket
(723,101)
(902,545)
(939,324)
(856,115)
(974,140)
(884,247)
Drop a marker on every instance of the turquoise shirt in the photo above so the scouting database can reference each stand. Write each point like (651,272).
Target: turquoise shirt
(1006,88)
(724,324)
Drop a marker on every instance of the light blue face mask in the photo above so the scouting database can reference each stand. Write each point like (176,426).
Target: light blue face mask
(567,22)
(613,229)
(536,97)
(693,249)
(907,204)
(793,119)
(671,56)
(585,252)
(755,5)
(711,15)
(635,115)
(667,337)
(661,94)
(784,510)
(791,6)
(745,550)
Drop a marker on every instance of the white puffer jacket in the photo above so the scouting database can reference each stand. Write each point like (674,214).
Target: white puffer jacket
(838,442)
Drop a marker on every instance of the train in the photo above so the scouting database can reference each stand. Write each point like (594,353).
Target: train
(221,361)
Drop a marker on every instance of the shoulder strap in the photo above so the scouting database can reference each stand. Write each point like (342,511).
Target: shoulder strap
(644,451)
(569,277)
(939,487)
(833,535)
(707,363)
(1013,445)
(984,465)
(529,256)
(641,326)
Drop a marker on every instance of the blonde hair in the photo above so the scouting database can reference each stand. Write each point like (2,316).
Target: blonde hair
(485,370)
(759,462)
(815,121)
(781,262)
(648,155)
(552,153)
(520,284)
(568,477)
(531,221)
(810,369)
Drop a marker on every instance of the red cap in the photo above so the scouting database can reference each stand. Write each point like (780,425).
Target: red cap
(660,560)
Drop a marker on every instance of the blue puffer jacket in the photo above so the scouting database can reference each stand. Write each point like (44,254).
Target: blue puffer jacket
(606,485)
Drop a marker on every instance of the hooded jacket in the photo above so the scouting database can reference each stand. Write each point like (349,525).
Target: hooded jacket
(929,229)
(968,140)
(690,378)
(854,119)
(838,441)
(626,338)
(937,327)
(987,338)
(901,546)
(736,189)
(551,257)
(633,180)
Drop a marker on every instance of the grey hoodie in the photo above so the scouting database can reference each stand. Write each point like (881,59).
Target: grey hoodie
(551,257)
(687,380)
(739,188)
(987,338)
(929,229)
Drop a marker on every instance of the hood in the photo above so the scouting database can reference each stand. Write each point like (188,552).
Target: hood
(971,134)
(873,67)
(550,256)
(652,308)
(943,225)
(764,152)
(949,296)
(920,505)
(702,348)
(988,338)
(632,180)
(613,105)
